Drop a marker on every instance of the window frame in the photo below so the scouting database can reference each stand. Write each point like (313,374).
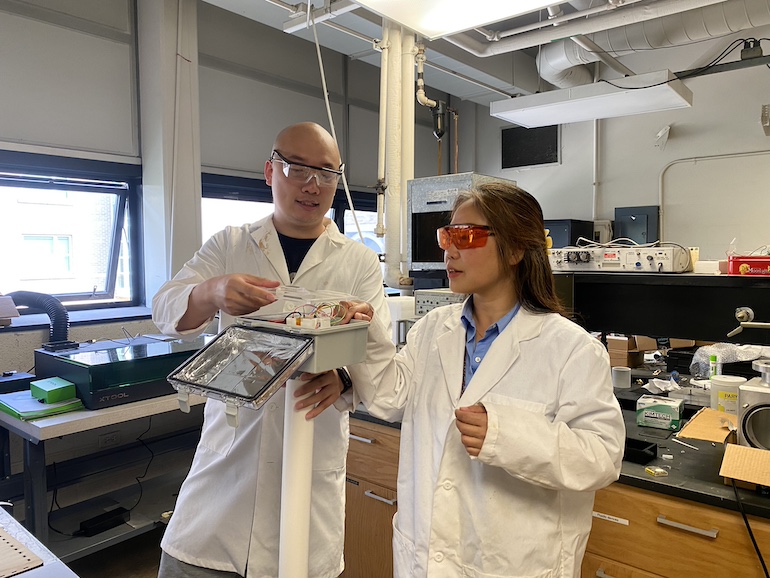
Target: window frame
(62,173)
(215,186)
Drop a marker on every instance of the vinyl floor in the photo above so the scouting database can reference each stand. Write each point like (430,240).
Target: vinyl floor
(135,558)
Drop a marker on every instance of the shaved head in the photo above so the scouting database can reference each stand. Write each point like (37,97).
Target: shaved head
(309,132)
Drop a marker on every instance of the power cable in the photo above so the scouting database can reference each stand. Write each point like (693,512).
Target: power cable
(748,527)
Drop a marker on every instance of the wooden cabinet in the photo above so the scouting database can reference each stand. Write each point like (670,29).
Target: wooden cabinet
(640,533)
(371,500)
(599,567)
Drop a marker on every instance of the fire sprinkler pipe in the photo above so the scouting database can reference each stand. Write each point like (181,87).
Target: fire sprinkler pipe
(612,19)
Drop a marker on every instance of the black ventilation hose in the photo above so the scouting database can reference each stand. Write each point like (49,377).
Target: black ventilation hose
(57,313)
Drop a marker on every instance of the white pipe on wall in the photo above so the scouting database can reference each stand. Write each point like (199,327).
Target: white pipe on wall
(380,229)
(408,52)
(392,272)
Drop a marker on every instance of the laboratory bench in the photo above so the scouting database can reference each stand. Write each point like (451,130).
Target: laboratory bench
(157,494)
(684,524)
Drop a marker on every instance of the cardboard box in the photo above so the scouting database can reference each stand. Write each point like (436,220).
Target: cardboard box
(626,359)
(7,310)
(644,343)
(749,467)
(623,351)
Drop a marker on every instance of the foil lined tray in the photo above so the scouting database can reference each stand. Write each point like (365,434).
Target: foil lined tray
(243,366)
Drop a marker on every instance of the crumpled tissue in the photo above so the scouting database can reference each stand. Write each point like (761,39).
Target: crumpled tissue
(656,386)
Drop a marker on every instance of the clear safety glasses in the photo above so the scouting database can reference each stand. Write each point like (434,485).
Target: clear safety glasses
(300,173)
(463,236)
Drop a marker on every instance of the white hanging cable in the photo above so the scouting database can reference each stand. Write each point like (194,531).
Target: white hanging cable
(331,123)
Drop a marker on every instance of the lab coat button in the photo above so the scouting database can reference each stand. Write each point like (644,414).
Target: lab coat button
(447,485)
(477,360)
(438,557)
(272,407)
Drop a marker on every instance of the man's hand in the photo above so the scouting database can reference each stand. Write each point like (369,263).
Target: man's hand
(235,294)
(239,294)
(325,389)
(472,423)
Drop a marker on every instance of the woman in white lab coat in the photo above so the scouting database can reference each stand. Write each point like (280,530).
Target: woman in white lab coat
(509,423)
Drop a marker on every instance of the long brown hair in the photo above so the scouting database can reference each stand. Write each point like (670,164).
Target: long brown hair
(516,219)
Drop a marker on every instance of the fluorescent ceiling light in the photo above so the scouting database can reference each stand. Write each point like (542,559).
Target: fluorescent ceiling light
(599,100)
(436,18)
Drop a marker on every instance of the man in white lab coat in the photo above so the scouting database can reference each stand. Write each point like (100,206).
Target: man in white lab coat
(226,520)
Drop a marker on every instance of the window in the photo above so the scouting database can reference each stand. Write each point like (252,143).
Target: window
(71,224)
(45,256)
(236,200)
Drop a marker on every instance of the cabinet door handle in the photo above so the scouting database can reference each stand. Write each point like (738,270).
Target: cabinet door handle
(600,573)
(372,495)
(708,533)
(362,439)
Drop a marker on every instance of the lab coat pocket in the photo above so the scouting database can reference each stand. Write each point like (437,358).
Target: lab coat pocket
(403,553)
(469,572)
(506,400)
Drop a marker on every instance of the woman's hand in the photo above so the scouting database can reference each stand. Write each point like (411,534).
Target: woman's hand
(472,423)
(360,310)
(325,388)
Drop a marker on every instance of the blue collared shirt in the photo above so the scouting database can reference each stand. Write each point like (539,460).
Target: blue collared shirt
(475,352)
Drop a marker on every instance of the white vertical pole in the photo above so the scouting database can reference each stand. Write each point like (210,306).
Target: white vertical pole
(296,486)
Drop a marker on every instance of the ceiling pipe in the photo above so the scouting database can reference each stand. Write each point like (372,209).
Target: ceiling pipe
(563,63)
(581,13)
(587,44)
(327,12)
(621,16)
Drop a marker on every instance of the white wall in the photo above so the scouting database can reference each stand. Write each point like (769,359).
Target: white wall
(705,203)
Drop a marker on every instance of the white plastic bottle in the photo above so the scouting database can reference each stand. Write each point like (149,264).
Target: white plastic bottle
(724,392)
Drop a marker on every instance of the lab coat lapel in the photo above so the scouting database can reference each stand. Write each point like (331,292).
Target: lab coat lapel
(451,352)
(266,239)
(503,353)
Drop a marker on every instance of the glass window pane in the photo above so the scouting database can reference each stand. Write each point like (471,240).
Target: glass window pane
(216,214)
(63,240)
(367,220)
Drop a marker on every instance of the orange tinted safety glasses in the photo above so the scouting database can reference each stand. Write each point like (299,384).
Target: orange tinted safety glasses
(463,236)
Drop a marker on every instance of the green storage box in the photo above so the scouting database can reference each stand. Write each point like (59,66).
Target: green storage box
(52,389)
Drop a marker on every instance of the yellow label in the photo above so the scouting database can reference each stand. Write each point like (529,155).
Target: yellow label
(727,401)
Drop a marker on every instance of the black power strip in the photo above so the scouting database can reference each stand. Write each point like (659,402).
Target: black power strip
(103,522)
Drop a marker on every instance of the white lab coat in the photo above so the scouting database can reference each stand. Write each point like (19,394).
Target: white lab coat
(555,435)
(227,514)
